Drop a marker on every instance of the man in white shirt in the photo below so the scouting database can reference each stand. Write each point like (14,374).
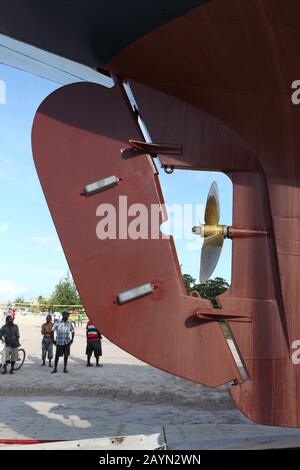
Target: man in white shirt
(64,336)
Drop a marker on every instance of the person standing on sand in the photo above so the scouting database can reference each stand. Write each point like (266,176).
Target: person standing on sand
(10,333)
(93,338)
(64,338)
(47,342)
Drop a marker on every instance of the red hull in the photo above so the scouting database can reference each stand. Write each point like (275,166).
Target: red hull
(216,81)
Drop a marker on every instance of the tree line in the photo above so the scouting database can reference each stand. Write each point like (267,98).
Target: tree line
(65,291)
(208,290)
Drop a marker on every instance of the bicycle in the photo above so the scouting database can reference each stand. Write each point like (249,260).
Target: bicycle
(20,360)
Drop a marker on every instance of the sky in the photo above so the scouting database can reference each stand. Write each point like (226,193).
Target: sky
(31,258)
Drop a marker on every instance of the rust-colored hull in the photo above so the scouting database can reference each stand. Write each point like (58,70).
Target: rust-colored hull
(78,135)
(216,81)
(226,97)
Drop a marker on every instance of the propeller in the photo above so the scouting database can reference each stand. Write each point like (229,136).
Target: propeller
(213,234)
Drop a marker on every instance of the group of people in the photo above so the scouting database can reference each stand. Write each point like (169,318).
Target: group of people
(74,317)
(59,333)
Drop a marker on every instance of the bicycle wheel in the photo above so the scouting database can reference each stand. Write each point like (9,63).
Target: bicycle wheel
(20,360)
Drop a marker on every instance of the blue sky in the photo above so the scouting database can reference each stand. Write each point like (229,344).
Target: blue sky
(32,261)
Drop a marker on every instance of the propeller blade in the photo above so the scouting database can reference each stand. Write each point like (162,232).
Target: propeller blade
(210,254)
(212,210)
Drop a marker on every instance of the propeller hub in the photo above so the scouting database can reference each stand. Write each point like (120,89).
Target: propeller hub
(210,230)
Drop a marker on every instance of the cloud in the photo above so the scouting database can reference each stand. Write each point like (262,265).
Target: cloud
(4,227)
(9,290)
(43,241)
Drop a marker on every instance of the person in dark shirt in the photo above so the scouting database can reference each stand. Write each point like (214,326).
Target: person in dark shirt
(10,334)
(93,338)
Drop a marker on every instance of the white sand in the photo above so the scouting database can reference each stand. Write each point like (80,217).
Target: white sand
(124,397)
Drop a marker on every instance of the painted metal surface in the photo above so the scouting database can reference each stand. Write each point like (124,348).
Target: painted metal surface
(77,137)
(216,81)
(264,270)
(139,442)
(90,33)
(46,64)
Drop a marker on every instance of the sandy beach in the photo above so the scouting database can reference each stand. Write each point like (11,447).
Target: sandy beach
(124,397)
